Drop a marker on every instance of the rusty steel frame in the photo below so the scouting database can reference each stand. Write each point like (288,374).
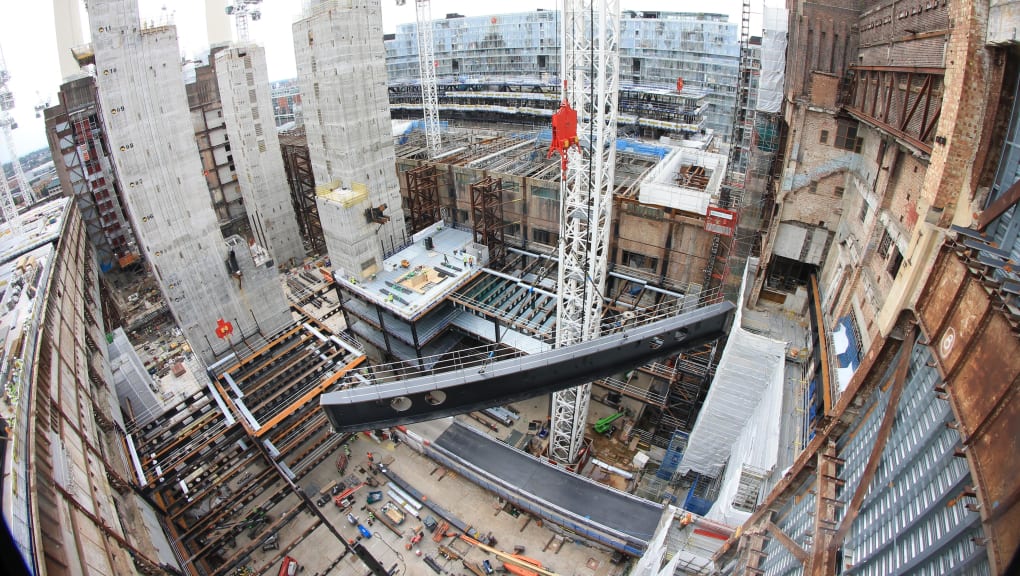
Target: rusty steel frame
(999,206)
(968,317)
(298,165)
(487,218)
(423,197)
(886,97)
(799,553)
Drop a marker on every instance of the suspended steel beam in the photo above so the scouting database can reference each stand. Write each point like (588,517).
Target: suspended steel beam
(482,383)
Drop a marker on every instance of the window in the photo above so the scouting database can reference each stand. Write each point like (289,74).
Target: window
(824,137)
(512,228)
(543,236)
(895,263)
(847,139)
(864,210)
(838,191)
(635,260)
(884,243)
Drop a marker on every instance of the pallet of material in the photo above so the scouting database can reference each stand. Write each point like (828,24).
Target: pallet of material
(386,522)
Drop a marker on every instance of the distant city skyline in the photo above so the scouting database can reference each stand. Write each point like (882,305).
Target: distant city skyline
(28,40)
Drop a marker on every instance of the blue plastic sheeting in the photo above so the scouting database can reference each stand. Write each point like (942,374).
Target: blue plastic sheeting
(641,148)
(622,145)
(851,357)
(420,125)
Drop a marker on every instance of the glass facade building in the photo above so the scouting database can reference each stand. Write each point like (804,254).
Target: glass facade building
(656,50)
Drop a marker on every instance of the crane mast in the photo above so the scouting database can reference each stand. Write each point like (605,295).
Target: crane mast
(8,124)
(242,10)
(590,69)
(427,69)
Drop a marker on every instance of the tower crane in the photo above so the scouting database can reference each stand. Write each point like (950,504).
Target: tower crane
(590,69)
(427,75)
(8,124)
(241,10)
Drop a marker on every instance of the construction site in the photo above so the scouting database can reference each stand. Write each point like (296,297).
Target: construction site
(633,321)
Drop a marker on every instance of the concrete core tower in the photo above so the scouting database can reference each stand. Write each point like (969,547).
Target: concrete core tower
(341,64)
(248,114)
(203,277)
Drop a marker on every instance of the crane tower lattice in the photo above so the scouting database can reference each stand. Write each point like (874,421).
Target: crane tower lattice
(590,65)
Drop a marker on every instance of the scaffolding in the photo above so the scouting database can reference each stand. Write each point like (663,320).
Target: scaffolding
(487,218)
(423,197)
(759,141)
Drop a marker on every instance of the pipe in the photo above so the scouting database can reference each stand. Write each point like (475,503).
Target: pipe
(229,358)
(612,469)
(340,342)
(314,332)
(449,152)
(407,497)
(532,254)
(647,285)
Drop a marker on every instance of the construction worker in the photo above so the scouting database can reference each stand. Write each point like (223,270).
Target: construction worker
(371,458)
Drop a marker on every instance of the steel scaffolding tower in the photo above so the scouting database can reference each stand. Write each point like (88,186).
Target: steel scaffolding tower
(8,124)
(590,67)
(423,192)
(427,67)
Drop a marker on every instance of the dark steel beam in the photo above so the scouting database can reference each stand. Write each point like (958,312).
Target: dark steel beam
(501,382)
(999,206)
(787,543)
(911,69)
(912,140)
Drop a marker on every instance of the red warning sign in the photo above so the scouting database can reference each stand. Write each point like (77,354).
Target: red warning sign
(721,221)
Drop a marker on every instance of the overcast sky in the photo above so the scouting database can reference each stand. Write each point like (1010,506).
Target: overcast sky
(29,43)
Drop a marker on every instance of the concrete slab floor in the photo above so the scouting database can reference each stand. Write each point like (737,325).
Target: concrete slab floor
(471,504)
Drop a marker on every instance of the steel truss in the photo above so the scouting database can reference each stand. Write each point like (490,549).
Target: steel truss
(903,101)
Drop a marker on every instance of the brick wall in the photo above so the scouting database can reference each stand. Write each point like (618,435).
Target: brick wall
(971,85)
(823,37)
(824,89)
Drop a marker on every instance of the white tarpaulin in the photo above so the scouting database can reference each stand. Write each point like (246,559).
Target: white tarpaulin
(750,365)
(773,59)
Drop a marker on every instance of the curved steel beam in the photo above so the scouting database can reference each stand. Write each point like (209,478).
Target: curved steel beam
(450,393)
